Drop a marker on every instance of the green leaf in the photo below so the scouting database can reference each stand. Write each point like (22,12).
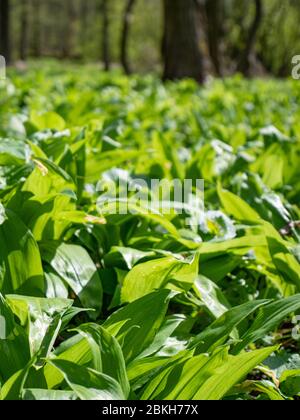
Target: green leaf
(74,265)
(115,210)
(284,261)
(211,296)
(269,317)
(48,395)
(77,351)
(13,387)
(167,272)
(107,354)
(136,325)
(263,387)
(40,317)
(231,373)
(88,384)
(100,162)
(20,262)
(203,377)
(125,257)
(12,152)
(290,382)
(237,207)
(48,179)
(14,344)
(47,120)
(170,324)
(217,333)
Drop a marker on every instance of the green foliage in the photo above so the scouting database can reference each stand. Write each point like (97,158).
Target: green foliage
(196,304)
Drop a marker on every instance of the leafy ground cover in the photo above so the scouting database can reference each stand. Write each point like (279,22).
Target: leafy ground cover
(100,305)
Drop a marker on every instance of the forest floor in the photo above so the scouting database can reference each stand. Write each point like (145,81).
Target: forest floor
(115,287)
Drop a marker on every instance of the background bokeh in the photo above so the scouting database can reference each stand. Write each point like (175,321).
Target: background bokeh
(93,30)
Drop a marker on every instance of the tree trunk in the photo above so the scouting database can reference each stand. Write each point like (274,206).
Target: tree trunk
(5,30)
(127,17)
(181,49)
(24,30)
(244,62)
(68,30)
(84,16)
(105,36)
(36,40)
(214,24)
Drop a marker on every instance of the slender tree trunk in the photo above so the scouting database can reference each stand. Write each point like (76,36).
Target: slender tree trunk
(5,30)
(127,17)
(36,41)
(244,62)
(84,15)
(181,49)
(68,30)
(105,36)
(24,30)
(214,24)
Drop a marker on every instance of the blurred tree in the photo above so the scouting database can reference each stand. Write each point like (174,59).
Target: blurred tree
(244,65)
(214,22)
(218,36)
(36,29)
(180,46)
(127,18)
(279,39)
(5,29)
(105,35)
(84,21)
(68,38)
(24,30)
